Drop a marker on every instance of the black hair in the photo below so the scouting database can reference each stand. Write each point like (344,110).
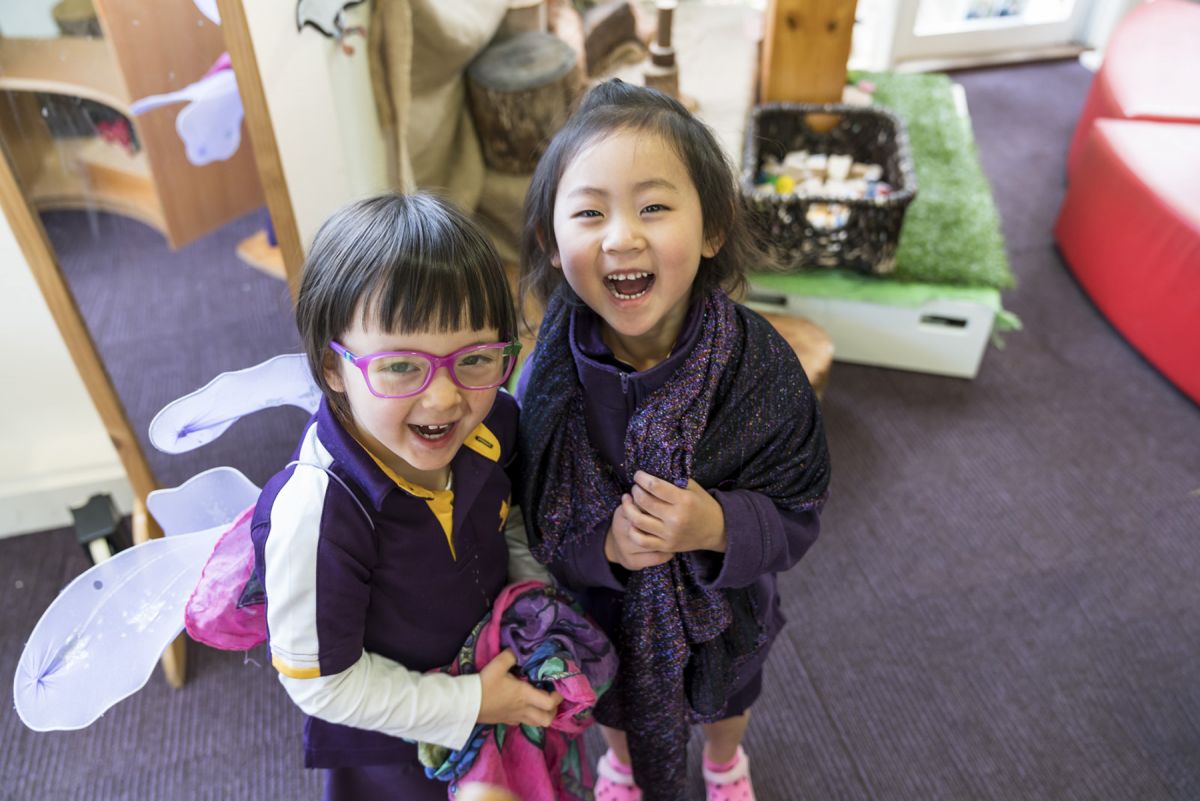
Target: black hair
(614,106)
(405,263)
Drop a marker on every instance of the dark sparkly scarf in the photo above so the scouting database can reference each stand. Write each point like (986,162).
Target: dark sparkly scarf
(737,414)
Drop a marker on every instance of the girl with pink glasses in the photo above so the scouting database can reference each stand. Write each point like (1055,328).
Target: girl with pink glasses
(381,547)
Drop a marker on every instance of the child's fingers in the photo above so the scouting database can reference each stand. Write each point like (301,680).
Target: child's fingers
(644,542)
(540,707)
(639,517)
(502,661)
(540,699)
(663,490)
(650,504)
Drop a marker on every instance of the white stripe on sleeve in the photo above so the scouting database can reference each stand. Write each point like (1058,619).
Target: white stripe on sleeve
(379,694)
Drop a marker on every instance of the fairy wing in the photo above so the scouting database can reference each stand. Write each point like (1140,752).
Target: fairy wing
(205,414)
(101,638)
(99,641)
(212,498)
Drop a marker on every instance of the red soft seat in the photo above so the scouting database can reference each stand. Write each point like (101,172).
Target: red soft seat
(1129,229)
(1151,70)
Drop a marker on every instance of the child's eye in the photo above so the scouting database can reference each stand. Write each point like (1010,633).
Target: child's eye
(653,207)
(399,367)
(476,360)
(587,213)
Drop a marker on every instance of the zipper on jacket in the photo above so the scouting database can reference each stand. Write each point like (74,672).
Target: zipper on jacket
(624,382)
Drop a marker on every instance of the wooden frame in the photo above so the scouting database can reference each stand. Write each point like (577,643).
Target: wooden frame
(31,236)
(262,136)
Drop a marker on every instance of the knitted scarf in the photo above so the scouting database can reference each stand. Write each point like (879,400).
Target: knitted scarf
(737,414)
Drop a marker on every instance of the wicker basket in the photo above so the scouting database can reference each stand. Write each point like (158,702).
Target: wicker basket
(867,241)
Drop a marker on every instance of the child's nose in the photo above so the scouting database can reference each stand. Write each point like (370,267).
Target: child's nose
(442,392)
(623,234)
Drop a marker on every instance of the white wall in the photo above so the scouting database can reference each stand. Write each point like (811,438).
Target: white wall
(30,18)
(1104,17)
(322,109)
(55,452)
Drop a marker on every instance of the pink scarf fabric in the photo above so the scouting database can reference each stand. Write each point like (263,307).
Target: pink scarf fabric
(556,646)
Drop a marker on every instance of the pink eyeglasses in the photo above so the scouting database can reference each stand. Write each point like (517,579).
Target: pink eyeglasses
(404,373)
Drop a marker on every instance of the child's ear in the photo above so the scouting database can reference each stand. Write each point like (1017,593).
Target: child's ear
(330,364)
(712,247)
(555,261)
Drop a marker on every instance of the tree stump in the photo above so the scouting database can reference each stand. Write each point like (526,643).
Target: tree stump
(520,91)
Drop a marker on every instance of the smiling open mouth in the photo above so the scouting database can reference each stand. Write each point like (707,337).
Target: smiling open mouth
(628,286)
(433,433)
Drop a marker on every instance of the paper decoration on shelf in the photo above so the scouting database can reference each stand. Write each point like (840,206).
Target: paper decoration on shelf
(327,17)
(210,125)
(209,9)
(99,640)
(324,15)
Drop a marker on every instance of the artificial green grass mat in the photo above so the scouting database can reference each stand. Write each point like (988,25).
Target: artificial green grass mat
(951,232)
(851,286)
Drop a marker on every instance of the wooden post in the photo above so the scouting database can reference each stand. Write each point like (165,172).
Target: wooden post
(663,73)
(524,16)
(31,236)
(806,44)
(262,136)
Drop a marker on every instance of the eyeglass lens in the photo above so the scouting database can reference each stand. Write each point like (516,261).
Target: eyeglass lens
(402,374)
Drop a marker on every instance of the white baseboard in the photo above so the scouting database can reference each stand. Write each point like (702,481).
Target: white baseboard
(41,503)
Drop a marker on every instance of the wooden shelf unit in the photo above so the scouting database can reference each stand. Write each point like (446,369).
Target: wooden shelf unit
(67,65)
(148,48)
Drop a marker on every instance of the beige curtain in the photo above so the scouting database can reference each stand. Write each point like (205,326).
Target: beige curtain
(418,52)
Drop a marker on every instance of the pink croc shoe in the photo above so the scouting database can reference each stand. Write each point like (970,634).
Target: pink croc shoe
(615,781)
(729,782)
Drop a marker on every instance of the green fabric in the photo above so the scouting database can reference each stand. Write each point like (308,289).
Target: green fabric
(845,285)
(951,232)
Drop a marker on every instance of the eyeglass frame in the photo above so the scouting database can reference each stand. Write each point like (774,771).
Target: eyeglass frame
(511,348)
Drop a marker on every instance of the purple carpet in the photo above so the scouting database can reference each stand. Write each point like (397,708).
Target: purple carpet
(1003,604)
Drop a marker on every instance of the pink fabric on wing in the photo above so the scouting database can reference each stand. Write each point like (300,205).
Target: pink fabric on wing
(212,615)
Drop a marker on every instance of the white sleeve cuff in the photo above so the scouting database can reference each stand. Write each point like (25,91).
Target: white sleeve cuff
(521,564)
(381,695)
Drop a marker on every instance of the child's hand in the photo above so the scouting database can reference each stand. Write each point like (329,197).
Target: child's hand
(673,519)
(621,545)
(507,699)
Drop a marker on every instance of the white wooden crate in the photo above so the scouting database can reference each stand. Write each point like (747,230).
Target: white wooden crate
(941,336)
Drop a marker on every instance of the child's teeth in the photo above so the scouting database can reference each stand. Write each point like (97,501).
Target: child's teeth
(616,283)
(433,432)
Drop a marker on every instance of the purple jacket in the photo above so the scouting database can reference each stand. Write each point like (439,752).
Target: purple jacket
(762,538)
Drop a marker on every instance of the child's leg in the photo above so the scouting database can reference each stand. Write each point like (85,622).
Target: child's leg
(615,782)
(618,743)
(726,766)
(721,739)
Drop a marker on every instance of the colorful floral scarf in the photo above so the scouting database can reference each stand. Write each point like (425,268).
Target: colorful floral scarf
(557,648)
